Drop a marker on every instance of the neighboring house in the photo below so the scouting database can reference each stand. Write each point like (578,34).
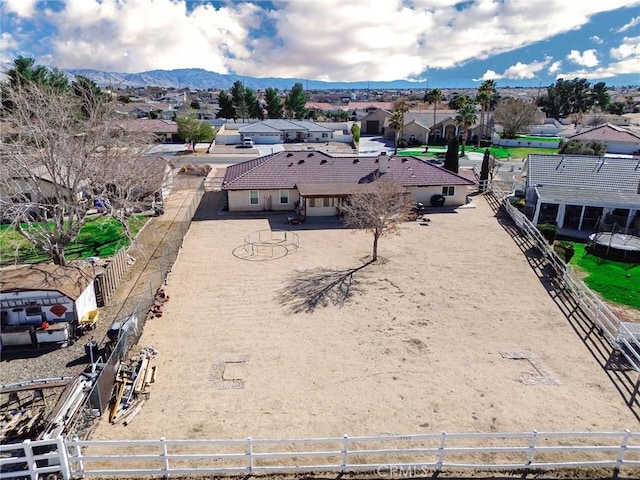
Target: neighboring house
(165,130)
(375,122)
(38,188)
(316,183)
(321,108)
(269,132)
(615,139)
(33,294)
(575,191)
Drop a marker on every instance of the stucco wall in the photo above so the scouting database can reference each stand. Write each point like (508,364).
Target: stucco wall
(240,200)
(419,132)
(424,194)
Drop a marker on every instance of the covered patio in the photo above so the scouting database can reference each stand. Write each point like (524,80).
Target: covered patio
(581,212)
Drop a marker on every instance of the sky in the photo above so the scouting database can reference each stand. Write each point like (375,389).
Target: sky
(445,42)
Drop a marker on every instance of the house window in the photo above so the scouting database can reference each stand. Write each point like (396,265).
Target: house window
(448,191)
(254,197)
(325,135)
(328,202)
(312,202)
(284,197)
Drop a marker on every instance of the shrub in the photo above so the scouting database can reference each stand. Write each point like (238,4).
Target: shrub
(548,231)
(518,203)
(564,250)
(199,169)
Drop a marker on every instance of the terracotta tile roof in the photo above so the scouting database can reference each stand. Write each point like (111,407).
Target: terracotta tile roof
(606,133)
(71,281)
(367,105)
(291,168)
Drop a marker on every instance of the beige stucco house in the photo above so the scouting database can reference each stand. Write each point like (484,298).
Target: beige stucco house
(315,183)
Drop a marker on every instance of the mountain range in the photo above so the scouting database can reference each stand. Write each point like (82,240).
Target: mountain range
(201,79)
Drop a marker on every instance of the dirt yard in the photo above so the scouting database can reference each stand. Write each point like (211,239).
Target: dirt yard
(453,332)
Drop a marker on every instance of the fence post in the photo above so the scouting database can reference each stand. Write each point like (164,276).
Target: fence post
(63,456)
(532,447)
(441,449)
(345,451)
(249,453)
(31,464)
(623,450)
(79,455)
(165,456)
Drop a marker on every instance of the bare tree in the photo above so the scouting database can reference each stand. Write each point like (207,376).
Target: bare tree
(515,115)
(379,208)
(62,154)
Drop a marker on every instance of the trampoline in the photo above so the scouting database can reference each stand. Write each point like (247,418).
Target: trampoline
(620,247)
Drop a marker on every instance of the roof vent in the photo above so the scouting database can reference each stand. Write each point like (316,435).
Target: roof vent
(291,164)
(355,160)
(323,161)
(289,154)
(310,155)
(404,159)
(300,162)
(383,153)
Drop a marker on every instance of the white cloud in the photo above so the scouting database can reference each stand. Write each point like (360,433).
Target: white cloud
(328,39)
(630,47)
(632,23)
(519,71)
(554,67)
(22,8)
(588,58)
(628,62)
(596,39)
(7,44)
(138,35)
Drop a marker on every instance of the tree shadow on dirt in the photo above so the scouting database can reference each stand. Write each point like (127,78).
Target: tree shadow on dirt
(310,290)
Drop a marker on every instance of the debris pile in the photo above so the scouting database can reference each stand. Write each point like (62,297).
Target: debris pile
(132,380)
(21,423)
(156,309)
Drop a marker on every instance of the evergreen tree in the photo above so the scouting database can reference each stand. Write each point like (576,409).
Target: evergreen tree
(451,157)
(275,109)
(238,100)
(227,110)
(252,104)
(484,170)
(295,103)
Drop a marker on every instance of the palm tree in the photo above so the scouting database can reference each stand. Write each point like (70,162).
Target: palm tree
(466,118)
(433,97)
(395,124)
(401,107)
(486,93)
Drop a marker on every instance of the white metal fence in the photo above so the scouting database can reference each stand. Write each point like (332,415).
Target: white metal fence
(619,334)
(390,456)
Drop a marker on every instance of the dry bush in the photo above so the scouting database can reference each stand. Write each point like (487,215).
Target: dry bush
(199,169)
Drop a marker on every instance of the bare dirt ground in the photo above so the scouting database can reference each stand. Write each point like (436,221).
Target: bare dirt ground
(459,330)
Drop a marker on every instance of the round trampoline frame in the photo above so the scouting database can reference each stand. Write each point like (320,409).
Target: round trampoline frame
(620,247)
(263,245)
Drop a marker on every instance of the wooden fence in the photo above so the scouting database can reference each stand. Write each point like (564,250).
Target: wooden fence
(619,334)
(390,456)
(107,283)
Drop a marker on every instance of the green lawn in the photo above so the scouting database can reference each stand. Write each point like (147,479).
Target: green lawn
(502,153)
(529,138)
(100,237)
(616,282)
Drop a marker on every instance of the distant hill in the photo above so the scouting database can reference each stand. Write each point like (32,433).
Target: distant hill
(202,79)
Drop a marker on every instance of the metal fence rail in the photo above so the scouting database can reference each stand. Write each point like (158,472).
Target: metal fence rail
(618,334)
(392,455)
